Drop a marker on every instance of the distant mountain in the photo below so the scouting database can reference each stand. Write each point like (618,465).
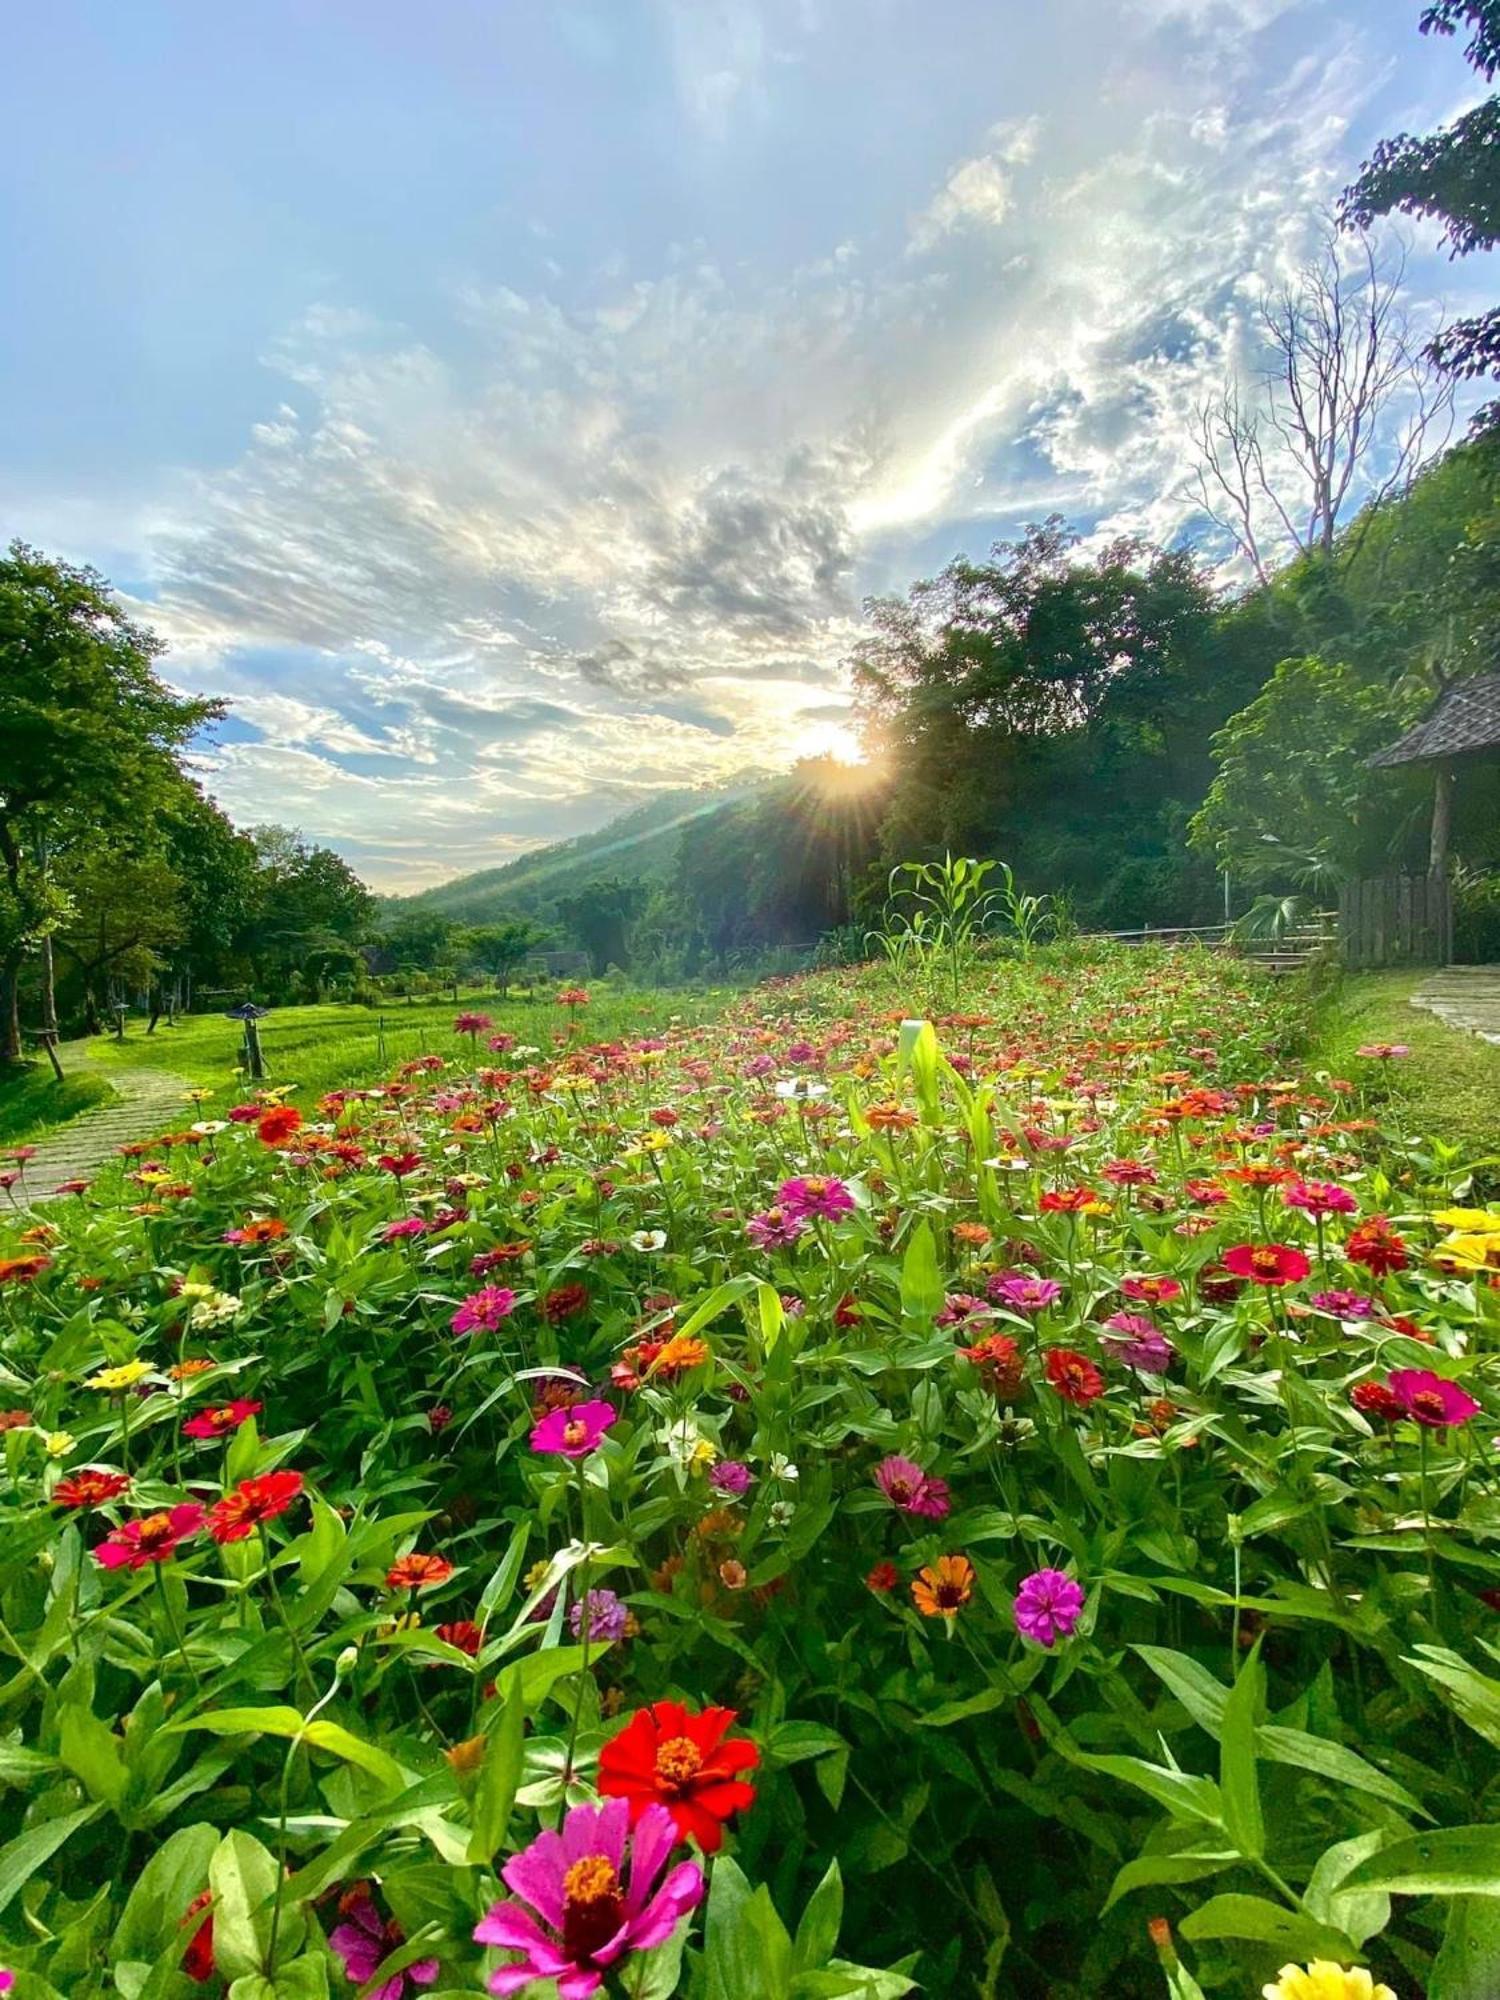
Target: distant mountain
(639,845)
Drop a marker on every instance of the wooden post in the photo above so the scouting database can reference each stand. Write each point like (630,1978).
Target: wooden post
(255,1062)
(1442,820)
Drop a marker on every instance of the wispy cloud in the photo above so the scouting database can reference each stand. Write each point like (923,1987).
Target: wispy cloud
(595,519)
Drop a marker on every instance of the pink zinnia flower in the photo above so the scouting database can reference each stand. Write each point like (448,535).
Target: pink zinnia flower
(1023,1293)
(222,1419)
(575,1432)
(363,1940)
(1430,1400)
(1320,1198)
(815,1194)
(485,1309)
(910,1490)
(1152,1291)
(776,1229)
(1138,1342)
(151,1539)
(1048,1606)
(1267,1263)
(959,1307)
(575,1916)
(1345,1305)
(409,1225)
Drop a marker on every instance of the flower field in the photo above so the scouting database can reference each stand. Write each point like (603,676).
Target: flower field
(850,1497)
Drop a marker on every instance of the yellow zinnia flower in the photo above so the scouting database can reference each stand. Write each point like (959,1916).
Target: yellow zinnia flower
(1467,1221)
(1323,1980)
(124,1377)
(59,1443)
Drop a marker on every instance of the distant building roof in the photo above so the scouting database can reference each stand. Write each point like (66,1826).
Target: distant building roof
(1464,718)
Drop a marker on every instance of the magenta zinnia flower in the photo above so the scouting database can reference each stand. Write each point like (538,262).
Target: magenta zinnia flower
(1023,1293)
(578,1912)
(1429,1399)
(815,1194)
(608,1617)
(910,1490)
(363,1940)
(1047,1606)
(575,1432)
(485,1309)
(776,1229)
(1138,1342)
(1345,1305)
(1320,1198)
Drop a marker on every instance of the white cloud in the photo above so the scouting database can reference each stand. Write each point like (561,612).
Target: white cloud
(552,551)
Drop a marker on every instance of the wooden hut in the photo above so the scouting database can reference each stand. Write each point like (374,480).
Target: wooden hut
(1463,724)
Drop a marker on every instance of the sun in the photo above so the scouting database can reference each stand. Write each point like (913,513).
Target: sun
(829,739)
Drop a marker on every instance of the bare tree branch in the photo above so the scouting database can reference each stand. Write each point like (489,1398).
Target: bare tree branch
(1348,409)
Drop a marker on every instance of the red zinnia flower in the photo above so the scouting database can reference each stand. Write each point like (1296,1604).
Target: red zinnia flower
(565,1302)
(1375,1399)
(399,1164)
(417,1572)
(276,1126)
(463,1633)
(90,1488)
(253,1501)
(150,1540)
(198,1959)
(1267,1263)
(688,1763)
(21,1270)
(883,1577)
(1377,1246)
(223,1418)
(1073,1375)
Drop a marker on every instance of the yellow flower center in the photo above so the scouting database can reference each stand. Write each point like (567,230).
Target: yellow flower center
(679,1760)
(592,1880)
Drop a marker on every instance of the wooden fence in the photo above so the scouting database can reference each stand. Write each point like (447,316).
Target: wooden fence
(1396,920)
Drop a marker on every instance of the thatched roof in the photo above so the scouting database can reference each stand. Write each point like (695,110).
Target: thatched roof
(1465,718)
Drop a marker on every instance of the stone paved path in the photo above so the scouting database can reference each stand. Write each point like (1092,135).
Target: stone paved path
(146,1101)
(1466,997)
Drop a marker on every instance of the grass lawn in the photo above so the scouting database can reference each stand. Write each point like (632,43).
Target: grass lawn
(32,1100)
(1449,1086)
(323,1048)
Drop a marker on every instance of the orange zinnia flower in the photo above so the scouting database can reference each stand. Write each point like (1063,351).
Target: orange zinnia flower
(943,1587)
(417,1572)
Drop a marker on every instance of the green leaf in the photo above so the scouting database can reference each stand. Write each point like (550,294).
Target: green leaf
(242,1876)
(289,1723)
(1257,1921)
(1326,1759)
(1467,1966)
(499,1776)
(21,1857)
(1186,1797)
(158,1900)
(1195,1687)
(1453,1861)
(1152,1871)
(948,1712)
(1472,1695)
(1359,1913)
(93,1753)
(1237,1777)
(921,1280)
(818,1931)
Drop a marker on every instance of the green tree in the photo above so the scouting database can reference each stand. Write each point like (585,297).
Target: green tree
(89,735)
(600,916)
(1295,800)
(309,901)
(127,914)
(1451,176)
(499,948)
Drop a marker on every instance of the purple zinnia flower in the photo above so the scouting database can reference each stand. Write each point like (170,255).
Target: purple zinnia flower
(731,1477)
(959,1307)
(776,1229)
(608,1617)
(1345,1305)
(1047,1606)
(815,1194)
(1138,1342)
(485,1309)
(363,1940)
(1022,1292)
(910,1490)
(575,1916)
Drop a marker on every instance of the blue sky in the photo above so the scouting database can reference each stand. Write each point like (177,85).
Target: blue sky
(507,407)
